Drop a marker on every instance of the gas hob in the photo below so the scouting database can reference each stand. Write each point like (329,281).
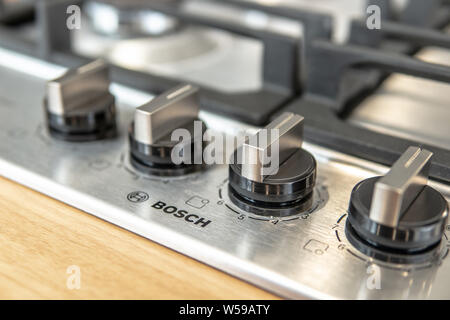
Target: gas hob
(90,132)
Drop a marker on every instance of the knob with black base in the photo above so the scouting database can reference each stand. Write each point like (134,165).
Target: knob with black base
(398,213)
(79,106)
(158,127)
(279,188)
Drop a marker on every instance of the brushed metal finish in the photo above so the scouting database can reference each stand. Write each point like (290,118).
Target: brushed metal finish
(409,107)
(306,255)
(398,189)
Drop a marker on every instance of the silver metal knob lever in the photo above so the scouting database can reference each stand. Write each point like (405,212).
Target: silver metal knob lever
(171,110)
(152,149)
(397,190)
(274,176)
(79,105)
(78,87)
(281,138)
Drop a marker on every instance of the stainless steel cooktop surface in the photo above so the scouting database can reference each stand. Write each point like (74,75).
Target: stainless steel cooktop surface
(304,255)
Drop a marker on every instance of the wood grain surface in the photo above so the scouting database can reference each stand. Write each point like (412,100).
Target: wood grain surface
(41,237)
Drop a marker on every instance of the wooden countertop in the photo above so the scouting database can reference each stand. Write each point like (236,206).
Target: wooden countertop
(41,237)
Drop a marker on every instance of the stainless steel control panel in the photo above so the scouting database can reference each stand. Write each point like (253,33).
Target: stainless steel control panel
(305,255)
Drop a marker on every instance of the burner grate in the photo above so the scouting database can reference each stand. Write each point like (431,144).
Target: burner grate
(291,65)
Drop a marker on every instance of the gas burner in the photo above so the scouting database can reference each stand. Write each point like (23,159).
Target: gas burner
(182,45)
(127,22)
(184,50)
(181,54)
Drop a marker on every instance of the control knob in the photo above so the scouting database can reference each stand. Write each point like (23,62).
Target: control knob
(79,106)
(262,184)
(398,212)
(153,149)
